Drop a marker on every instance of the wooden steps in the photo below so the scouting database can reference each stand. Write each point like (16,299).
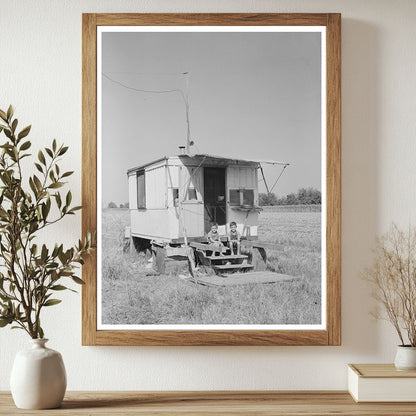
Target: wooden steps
(227,263)
(227,257)
(232,267)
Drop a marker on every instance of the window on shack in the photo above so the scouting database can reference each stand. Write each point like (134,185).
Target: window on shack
(141,190)
(192,194)
(248,197)
(234,197)
(240,197)
(175,196)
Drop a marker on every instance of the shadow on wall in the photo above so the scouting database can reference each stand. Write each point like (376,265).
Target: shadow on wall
(360,180)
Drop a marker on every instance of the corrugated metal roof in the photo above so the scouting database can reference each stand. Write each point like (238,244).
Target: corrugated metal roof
(206,158)
(270,162)
(146,164)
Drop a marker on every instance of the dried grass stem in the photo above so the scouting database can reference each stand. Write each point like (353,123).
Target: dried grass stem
(393,276)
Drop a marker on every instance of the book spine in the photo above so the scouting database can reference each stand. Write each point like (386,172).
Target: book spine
(353,381)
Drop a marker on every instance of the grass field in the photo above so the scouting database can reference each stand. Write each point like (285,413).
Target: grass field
(130,296)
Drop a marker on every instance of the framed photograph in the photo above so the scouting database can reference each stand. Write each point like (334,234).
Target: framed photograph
(211,172)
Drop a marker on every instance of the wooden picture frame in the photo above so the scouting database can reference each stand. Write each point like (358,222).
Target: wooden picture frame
(331,335)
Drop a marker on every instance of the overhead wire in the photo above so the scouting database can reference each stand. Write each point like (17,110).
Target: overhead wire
(178,90)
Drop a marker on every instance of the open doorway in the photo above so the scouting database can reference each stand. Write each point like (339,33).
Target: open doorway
(214,197)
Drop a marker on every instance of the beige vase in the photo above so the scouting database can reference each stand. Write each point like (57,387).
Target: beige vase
(405,358)
(38,378)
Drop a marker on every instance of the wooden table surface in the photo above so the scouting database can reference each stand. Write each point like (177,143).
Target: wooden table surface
(212,403)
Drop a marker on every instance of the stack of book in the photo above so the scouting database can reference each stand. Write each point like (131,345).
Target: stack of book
(381,383)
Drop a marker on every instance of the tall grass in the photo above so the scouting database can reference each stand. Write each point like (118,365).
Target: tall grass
(132,296)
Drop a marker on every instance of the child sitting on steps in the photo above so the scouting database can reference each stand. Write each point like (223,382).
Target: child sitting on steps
(234,238)
(214,238)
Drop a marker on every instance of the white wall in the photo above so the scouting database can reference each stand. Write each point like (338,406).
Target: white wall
(40,73)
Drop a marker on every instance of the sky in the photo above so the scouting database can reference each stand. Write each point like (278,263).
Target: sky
(251,95)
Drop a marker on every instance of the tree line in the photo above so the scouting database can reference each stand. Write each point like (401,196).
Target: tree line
(304,196)
(114,205)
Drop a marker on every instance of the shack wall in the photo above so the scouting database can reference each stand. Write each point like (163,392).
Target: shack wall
(242,177)
(162,217)
(182,177)
(156,187)
(160,224)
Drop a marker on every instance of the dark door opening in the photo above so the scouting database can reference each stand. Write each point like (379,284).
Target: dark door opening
(214,197)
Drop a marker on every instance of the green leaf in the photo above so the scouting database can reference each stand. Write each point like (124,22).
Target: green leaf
(37,183)
(8,133)
(44,253)
(33,187)
(41,157)
(49,152)
(68,198)
(39,167)
(3,115)
(55,251)
(51,302)
(54,145)
(40,332)
(62,257)
(76,279)
(24,132)
(58,199)
(14,125)
(56,185)
(67,174)
(77,208)
(25,145)
(5,321)
(34,249)
(63,150)
(59,287)
(45,211)
(10,112)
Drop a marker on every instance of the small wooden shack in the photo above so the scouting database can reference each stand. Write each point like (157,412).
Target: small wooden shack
(179,195)
(173,201)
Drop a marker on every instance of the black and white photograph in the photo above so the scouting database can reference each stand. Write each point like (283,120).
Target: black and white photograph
(211,178)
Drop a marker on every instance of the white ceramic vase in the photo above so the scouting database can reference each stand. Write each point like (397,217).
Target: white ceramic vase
(38,378)
(405,358)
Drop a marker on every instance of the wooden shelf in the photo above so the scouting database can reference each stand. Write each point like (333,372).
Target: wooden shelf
(212,403)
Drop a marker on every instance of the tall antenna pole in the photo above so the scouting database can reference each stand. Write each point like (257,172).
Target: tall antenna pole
(188,129)
(184,95)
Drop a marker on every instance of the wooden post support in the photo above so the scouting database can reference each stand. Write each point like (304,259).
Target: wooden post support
(262,252)
(159,258)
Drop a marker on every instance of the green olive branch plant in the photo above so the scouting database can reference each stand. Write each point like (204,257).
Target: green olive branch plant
(31,273)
